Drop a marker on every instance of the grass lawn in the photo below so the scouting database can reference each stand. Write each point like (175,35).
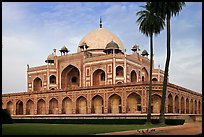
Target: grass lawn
(65,129)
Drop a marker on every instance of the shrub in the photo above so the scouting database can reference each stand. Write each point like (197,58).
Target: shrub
(6,117)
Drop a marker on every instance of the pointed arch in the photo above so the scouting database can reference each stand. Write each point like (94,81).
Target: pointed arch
(199,107)
(170,103)
(119,71)
(144,74)
(99,77)
(37,84)
(66,106)
(176,99)
(41,108)
(196,109)
(182,105)
(9,107)
(156,103)
(114,104)
(81,105)
(133,76)
(70,77)
(30,107)
(191,106)
(187,106)
(133,103)
(52,79)
(19,107)
(97,105)
(53,106)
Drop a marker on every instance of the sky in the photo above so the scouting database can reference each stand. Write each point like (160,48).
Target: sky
(31,30)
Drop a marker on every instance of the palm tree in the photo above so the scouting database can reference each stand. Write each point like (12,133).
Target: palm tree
(166,10)
(149,24)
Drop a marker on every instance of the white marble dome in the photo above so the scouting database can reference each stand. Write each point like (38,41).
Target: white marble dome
(99,38)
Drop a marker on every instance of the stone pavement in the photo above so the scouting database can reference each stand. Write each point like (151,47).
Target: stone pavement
(194,128)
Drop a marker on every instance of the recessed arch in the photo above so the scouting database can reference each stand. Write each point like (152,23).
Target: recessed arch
(133,103)
(176,99)
(37,84)
(99,77)
(187,106)
(119,71)
(81,105)
(196,109)
(156,103)
(97,104)
(114,104)
(144,74)
(170,103)
(41,108)
(66,106)
(70,77)
(133,76)
(191,106)
(52,79)
(53,106)
(19,107)
(30,107)
(9,107)
(182,105)
(199,107)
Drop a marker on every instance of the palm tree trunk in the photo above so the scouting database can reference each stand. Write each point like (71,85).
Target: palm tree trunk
(150,81)
(162,118)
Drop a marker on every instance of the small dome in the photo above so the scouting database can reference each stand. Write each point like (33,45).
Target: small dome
(112,45)
(50,57)
(144,52)
(64,49)
(135,47)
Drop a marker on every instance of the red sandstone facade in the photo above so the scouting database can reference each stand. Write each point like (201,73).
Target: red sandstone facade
(99,79)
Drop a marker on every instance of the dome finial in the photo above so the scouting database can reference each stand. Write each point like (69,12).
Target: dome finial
(100,23)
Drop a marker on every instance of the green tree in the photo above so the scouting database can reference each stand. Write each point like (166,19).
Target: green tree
(149,24)
(166,10)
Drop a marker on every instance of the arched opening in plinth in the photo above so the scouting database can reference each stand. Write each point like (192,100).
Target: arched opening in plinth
(199,107)
(133,75)
(19,108)
(9,107)
(182,105)
(170,103)
(97,105)
(70,77)
(187,106)
(196,109)
(53,106)
(134,103)
(176,104)
(81,105)
(98,77)
(154,79)
(30,107)
(37,84)
(66,106)
(114,104)
(41,108)
(191,106)
(156,103)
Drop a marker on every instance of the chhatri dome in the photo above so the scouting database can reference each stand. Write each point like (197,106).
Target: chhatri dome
(98,39)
